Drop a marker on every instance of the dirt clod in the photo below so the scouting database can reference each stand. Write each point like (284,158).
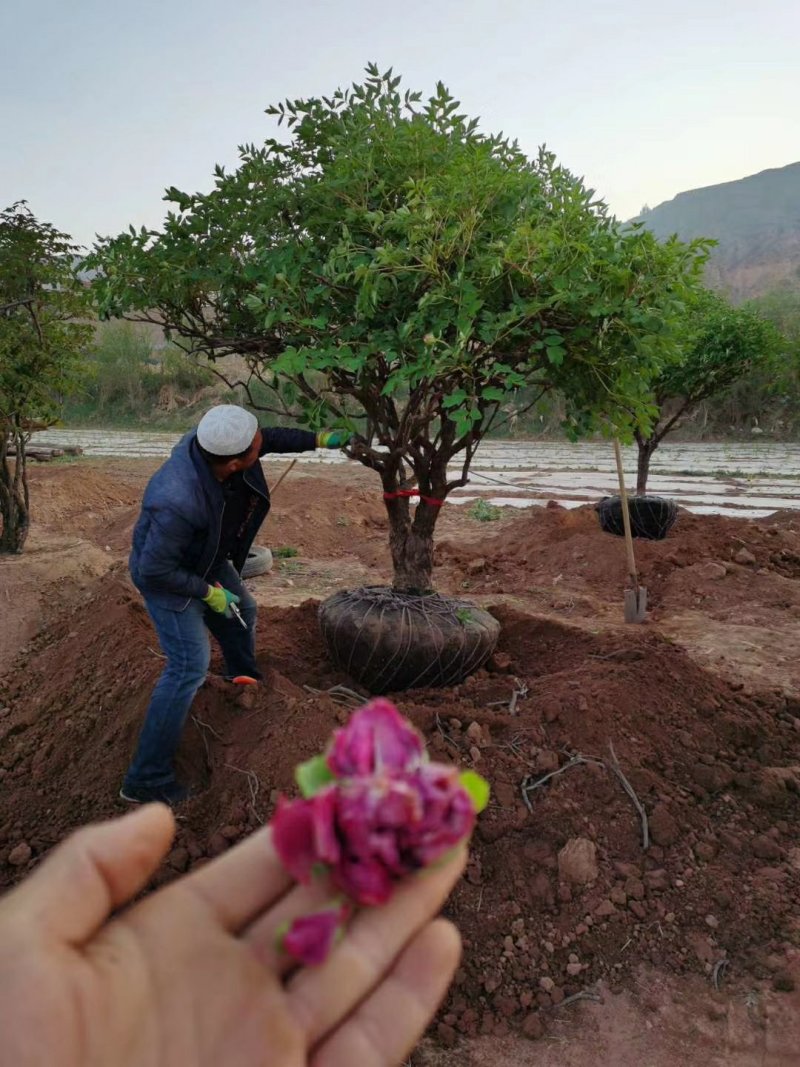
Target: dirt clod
(745,557)
(577,861)
(20,854)
(663,827)
(766,848)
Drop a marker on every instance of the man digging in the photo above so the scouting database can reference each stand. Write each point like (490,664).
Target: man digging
(200,514)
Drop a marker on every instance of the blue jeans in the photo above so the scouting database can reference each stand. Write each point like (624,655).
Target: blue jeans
(183,636)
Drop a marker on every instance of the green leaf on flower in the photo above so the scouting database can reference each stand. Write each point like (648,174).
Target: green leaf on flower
(313,775)
(477,787)
(281,932)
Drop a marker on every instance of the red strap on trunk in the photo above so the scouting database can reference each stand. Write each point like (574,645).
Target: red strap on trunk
(430,500)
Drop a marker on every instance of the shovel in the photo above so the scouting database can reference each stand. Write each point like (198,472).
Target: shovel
(275,486)
(635,597)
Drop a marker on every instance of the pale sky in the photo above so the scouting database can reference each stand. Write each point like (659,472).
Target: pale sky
(104,104)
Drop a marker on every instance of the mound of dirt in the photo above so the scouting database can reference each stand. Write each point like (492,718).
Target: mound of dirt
(559,892)
(316,519)
(553,542)
(78,497)
(729,570)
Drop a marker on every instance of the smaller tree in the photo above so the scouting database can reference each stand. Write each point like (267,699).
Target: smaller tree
(721,344)
(778,391)
(41,340)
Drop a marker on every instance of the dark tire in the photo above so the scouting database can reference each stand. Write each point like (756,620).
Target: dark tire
(259,561)
(390,641)
(652,517)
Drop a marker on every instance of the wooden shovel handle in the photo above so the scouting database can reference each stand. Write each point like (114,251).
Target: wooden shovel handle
(275,486)
(626,518)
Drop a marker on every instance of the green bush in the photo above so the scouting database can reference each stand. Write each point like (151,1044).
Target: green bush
(182,372)
(128,380)
(123,373)
(483,511)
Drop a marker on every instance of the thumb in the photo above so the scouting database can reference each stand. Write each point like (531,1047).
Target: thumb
(94,872)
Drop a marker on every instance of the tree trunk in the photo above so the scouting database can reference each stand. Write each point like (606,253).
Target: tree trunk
(14,508)
(411,539)
(411,545)
(647,447)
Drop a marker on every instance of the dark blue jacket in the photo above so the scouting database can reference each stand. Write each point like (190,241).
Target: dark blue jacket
(177,533)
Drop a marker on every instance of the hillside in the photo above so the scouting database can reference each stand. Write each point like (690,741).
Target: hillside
(756,221)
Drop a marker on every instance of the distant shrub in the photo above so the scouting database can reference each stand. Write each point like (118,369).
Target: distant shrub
(483,511)
(128,379)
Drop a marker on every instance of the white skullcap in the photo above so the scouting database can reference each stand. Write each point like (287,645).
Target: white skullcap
(227,430)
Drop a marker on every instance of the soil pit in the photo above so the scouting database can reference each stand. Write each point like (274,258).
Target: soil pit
(715,766)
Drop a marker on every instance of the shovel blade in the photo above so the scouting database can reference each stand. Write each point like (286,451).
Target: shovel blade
(635,605)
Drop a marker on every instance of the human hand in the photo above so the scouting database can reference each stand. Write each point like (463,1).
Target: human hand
(333,438)
(191,975)
(356,447)
(220,599)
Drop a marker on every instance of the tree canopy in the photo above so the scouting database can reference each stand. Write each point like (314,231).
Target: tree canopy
(41,340)
(721,344)
(392,268)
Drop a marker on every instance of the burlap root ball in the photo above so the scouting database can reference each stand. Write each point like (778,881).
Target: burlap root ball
(389,641)
(652,517)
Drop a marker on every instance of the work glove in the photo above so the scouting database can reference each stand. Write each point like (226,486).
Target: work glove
(220,600)
(333,438)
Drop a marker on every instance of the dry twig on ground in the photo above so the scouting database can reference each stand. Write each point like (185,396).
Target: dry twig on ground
(719,968)
(447,738)
(529,784)
(340,694)
(255,787)
(584,994)
(615,768)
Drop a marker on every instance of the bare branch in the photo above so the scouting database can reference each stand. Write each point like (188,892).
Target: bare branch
(15,304)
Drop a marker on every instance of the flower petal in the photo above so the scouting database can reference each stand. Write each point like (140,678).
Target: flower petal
(365,881)
(323,813)
(293,837)
(377,738)
(304,833)
(310,938)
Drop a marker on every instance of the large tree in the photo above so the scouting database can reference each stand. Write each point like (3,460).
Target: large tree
(41,341)
(394,270)
(720,345)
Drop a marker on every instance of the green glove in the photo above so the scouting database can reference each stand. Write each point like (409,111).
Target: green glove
(333,438)
(219,600)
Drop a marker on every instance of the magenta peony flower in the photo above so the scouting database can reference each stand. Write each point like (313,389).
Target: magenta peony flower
(310,938)
(373,812)
(369,832)
(377,738)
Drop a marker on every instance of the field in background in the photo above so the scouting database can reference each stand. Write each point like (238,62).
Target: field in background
(735,478)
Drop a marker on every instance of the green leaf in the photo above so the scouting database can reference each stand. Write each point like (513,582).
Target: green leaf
(455,399)
(477,787)
(313,775)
